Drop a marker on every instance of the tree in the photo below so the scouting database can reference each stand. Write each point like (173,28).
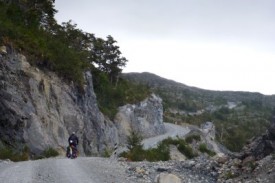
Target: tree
(134,140)
(107,57)
(34,13)
(31,27)
(74,37)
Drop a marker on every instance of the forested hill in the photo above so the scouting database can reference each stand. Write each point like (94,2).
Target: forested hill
(29,27)
(157,82)
(238,116)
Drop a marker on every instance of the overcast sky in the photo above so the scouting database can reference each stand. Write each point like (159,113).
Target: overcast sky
(210,44)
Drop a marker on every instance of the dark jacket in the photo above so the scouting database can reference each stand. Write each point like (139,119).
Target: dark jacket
(74,140)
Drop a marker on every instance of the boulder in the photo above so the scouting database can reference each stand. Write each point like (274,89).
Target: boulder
(3,50)
(175,154)
(167,178)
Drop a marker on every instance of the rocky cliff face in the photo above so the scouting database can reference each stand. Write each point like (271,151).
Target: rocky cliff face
(262,146)
(255,163)
(40,110)
(145,118)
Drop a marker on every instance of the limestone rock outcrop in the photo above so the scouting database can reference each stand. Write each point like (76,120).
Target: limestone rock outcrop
(40,110)
(145,118)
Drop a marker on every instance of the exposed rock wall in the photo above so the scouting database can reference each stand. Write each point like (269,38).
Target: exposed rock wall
(261,146)
(255,163)
(41,110)
(145,118)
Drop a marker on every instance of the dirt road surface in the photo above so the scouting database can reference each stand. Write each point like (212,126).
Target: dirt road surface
(171,131)
(62,170)
(80,170)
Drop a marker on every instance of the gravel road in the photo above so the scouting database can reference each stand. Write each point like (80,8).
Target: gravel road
(62,170)
(171,131)
(82,169)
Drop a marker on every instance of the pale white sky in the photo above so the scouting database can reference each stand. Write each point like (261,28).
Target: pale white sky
(210,44)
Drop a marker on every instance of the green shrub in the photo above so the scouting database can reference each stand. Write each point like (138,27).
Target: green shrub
(134,140)
(252,165)
(186,150)
(107,153)
(161,153)
(14,155)
(229,175)
(49,152)
(189,139)
(182,146)
(203,148)
(169,141)
(137,153)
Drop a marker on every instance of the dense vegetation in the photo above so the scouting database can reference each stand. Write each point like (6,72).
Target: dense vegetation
(109,97)
(235,126)
(137,153)
(23,153)
(238,116)
(162,151)
(28,26)
(20,154)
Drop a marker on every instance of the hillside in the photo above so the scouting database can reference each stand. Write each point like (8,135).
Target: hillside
(57,79)
(255,164)
(238,116)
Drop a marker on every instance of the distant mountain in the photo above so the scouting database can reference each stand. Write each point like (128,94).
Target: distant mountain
(238,116)
(156,82)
